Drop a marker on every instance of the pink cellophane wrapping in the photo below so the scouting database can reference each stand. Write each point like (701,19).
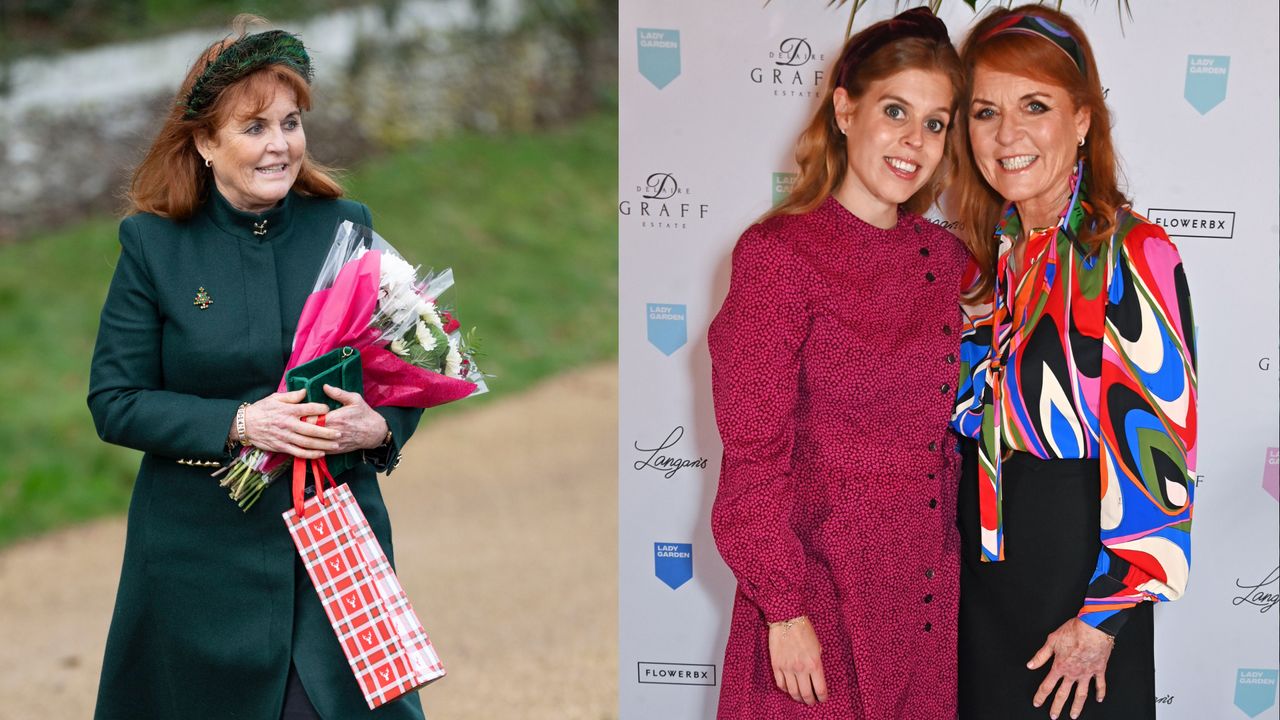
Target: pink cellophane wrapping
(385,643)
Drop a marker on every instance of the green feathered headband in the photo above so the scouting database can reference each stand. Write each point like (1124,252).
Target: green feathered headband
(249,53)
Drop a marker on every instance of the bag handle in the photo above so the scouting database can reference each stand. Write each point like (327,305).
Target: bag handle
(319,467)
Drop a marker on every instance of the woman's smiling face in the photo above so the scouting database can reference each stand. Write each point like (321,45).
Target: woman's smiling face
(1025,134)
(256,156)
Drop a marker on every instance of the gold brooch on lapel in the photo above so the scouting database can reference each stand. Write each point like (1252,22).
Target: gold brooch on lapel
(203,301)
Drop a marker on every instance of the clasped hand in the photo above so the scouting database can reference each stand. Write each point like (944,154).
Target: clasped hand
(1080,653)
(278,423)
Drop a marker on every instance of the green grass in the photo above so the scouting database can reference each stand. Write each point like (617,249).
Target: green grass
(526,222)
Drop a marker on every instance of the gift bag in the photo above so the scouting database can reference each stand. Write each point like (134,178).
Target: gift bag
(384,641)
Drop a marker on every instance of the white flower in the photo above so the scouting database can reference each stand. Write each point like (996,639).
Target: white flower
(427,311)
(453,360)
(425,338)
(398,297)
(400,347)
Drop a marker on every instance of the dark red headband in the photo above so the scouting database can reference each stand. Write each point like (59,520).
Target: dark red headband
(916,22)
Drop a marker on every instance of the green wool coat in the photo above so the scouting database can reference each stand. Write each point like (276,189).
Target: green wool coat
(213,603)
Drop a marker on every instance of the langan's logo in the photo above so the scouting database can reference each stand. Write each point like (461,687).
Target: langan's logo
(1261,594)
(1194,223)
(654,458)
(792,52)
(660,186)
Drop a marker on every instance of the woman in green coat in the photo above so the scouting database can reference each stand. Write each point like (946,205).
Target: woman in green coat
(215,616)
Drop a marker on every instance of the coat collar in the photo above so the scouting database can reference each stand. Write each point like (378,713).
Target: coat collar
(257,227)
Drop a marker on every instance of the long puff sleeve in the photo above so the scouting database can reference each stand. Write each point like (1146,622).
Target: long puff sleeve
(755,343)
(127,398)
(1147,423)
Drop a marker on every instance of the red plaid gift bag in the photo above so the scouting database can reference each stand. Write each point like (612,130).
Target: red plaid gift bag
(384,641)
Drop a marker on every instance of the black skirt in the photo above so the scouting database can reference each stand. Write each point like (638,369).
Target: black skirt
(1008,608)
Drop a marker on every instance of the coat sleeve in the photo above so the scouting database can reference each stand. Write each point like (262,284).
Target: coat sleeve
(1147,424)
(401,421)
(127,399)
(755,343)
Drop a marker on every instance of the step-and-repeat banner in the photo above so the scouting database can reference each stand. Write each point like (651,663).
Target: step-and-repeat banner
(712,96)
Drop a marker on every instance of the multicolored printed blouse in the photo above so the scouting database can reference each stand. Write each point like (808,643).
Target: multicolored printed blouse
(1096,359)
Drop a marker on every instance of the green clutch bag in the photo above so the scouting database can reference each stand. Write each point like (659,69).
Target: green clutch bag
(341,369)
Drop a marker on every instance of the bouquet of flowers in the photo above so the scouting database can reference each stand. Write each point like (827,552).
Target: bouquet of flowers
(412,350)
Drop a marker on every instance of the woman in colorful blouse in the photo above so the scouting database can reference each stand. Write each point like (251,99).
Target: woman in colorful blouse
(833,362)
(1078,390)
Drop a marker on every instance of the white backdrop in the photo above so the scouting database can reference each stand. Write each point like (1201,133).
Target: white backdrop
(713,94)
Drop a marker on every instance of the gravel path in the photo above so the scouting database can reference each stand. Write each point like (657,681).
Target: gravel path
(510,561)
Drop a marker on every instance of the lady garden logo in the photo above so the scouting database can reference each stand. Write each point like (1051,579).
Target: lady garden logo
(662,203)
(1255,690)
(1206,85)
(658,55)
(668,328)
(792,70)
(673,563)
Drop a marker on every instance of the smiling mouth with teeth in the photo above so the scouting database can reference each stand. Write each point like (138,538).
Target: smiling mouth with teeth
(902,165)
(271,169)
(1017,162)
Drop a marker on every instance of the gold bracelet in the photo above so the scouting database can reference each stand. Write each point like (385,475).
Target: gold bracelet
(241,431)
(786,625)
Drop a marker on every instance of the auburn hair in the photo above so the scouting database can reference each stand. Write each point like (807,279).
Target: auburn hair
(821,152)
(976,204)
(172,180)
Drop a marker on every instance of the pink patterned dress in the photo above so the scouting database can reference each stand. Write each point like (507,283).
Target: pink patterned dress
(834,362)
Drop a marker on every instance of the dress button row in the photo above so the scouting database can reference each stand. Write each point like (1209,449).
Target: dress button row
(924,252)
(928,627)
(933,503)
(946,329)
(928,574)
(951,359)
(930,277)
(933,445)
(928,598)
(946,388)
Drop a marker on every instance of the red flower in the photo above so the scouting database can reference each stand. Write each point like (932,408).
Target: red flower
(450,324)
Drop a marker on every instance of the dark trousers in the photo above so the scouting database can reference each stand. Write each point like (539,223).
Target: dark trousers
(297,706)
(1007,609)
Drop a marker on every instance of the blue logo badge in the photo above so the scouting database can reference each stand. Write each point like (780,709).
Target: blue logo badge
(658,55)
(1255,690)
(782,184)
(668,330)
(673,563)
(1206,81)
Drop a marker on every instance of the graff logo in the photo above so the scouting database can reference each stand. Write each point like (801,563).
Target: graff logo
(668,465)
(792,52)
(660,186)
(663,203)
(1260,594)
(788,76)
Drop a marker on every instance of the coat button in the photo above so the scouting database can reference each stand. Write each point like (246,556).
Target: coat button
(951,359)
(929,276)
(933,503)
(928,574)
(933,446)
(928,627)
(924,252)
(928,598)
